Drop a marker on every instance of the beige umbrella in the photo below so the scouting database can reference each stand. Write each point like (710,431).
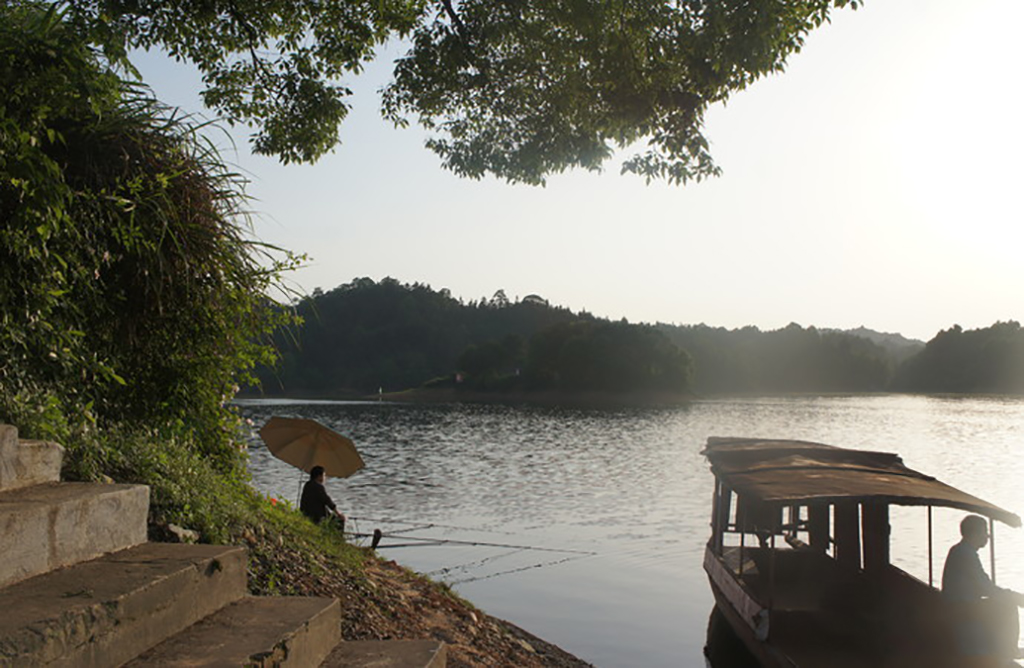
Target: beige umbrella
(307,443)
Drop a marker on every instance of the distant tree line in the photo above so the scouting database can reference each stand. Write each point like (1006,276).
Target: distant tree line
(587,354)
(791,359)
(367,335)
(979,360)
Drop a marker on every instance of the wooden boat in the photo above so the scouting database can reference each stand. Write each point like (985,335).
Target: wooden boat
(799,564)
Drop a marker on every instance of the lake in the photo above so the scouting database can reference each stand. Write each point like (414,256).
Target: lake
(587,527)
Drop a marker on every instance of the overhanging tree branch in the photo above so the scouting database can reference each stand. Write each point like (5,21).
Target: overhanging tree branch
(460,27)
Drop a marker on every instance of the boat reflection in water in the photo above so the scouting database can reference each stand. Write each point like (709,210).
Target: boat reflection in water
(798,562)
(724,649)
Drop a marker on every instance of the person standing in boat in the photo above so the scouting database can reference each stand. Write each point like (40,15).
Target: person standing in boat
(985,615)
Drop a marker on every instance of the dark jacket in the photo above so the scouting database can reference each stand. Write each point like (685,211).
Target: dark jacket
(315,501)
(963,577)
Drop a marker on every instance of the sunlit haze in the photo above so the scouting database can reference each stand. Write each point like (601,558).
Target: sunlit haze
(875,182)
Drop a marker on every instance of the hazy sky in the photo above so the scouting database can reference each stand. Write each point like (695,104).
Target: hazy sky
(876,182)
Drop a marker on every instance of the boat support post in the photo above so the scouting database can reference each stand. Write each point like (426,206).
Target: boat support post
(718,524)
(992,548)
(743,536)
(931,572)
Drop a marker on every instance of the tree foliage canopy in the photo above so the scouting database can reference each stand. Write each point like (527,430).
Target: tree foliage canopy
(128,285)
(525,88)
(519,89)
(274,64)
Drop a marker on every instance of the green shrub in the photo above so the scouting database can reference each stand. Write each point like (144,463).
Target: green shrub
(132,299)
(130,291)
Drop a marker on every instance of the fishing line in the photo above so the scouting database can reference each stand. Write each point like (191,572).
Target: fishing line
(351,521)
(516,570)
(472,564)
(513,549)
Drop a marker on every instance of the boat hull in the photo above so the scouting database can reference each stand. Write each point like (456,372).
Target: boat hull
(766,656)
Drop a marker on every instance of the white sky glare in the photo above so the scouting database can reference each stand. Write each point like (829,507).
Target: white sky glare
(876,182)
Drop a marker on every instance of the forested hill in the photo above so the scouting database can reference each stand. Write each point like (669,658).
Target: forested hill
(367,335)
(977,360)
(791,359)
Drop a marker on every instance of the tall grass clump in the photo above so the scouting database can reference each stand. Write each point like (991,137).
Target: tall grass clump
(133,299)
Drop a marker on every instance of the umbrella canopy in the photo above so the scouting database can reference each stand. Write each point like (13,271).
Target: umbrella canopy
(307,443)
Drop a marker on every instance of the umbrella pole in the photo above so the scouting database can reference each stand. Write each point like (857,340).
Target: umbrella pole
(298,497)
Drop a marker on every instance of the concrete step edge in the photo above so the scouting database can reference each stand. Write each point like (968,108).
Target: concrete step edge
(388,654)
(106,611)
(8,437)
(55,525)
(257,632)
(25,462)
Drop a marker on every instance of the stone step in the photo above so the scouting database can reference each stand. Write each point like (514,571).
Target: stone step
(25,463)
(50,526)
(388,654)
(107,611)
(254,632)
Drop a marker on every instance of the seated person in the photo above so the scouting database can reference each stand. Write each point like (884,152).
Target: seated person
(985,615)
(315,501)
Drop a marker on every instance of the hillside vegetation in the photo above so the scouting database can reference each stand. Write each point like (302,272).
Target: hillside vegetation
(958,360)
(366,336)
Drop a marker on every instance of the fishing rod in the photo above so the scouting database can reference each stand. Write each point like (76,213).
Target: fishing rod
(420,541)
(425,542)
(429,525)
(413,527)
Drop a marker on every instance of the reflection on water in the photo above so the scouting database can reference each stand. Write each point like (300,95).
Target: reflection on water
(724,648)
(626,494)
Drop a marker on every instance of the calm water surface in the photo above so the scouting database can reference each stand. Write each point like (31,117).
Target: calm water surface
(595,520)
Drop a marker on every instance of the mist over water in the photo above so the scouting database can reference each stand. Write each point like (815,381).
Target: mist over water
(587,527)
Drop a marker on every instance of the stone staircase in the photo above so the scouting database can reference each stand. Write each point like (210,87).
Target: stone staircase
(80,586)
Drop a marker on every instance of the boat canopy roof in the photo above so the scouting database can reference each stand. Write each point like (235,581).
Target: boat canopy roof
(801,472)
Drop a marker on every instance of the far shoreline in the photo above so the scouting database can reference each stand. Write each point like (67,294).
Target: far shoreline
(447,395)
(541,397)
(565,399)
